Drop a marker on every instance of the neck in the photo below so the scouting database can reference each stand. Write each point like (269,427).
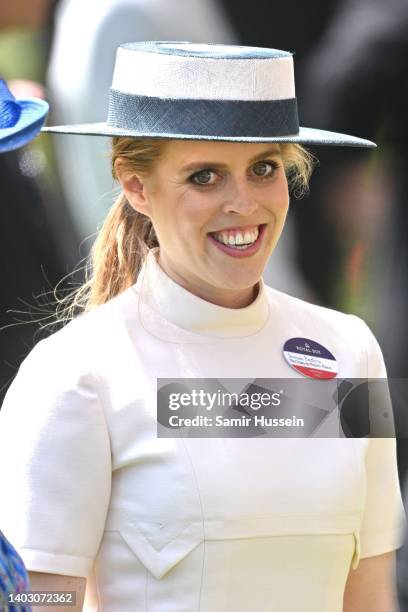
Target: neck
(227,298)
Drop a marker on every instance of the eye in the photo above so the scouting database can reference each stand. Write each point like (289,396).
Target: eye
(265,169)
(203,177)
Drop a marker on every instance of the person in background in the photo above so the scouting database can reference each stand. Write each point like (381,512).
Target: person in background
(36,235)
(20,121)
(13,578)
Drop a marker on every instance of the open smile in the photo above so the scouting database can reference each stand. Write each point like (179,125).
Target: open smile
(240,241)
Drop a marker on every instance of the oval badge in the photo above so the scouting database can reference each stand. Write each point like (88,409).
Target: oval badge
(310,358)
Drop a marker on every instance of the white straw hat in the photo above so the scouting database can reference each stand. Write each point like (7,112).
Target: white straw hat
(202,91)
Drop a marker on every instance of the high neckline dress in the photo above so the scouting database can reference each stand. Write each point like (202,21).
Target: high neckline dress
(184,524)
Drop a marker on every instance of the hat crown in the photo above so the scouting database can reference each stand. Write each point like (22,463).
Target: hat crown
(208,50)
(196,71)
(10,109)
(178,88)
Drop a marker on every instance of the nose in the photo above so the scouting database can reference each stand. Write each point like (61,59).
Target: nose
(240,199)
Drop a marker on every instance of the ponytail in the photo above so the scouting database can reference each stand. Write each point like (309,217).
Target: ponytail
(123,241)
(118,252)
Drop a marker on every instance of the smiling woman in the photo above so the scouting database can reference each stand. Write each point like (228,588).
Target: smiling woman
(206,148)
(197,215)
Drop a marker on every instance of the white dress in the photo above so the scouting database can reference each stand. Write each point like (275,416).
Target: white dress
(189,524)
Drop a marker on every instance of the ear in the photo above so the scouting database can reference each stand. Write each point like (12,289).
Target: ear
(134,188)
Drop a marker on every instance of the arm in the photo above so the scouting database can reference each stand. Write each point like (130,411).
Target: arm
(54,582)
(370,587)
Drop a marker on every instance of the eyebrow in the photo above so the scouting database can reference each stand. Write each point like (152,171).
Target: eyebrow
(210,164)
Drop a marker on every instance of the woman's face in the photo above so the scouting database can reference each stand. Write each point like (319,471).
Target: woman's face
(218,209)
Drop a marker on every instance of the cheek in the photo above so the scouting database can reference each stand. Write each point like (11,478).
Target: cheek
(196,211)
(279,198)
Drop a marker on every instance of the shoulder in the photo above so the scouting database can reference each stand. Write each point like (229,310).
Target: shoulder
(78,346)
(347,334)
(59,383)
(300,310)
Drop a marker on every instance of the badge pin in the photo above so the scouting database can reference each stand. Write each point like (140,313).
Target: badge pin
(310,358)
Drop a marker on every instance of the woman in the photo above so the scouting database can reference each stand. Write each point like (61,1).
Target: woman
(204,140)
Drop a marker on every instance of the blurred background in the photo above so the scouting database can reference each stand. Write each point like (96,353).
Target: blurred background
(344,246)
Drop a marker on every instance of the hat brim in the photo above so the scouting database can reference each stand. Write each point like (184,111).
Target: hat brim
(307,136)
(32,117)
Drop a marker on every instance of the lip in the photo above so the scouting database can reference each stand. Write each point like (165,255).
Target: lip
(254,248)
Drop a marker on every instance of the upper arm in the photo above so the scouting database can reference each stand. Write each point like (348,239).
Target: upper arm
(371,587)
(55,582)
(383,521)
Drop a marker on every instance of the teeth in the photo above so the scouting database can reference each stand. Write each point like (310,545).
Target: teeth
(239,239)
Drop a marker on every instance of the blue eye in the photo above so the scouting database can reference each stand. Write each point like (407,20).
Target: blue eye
(208,176)
(265,169)
(203,177)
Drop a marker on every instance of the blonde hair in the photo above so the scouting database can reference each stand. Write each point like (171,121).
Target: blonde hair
(127,235)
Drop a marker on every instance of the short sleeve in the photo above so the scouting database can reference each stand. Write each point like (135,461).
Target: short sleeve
(55,463)
(383,522)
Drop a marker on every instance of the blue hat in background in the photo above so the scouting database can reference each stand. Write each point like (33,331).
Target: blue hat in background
(20,120)
(167,89)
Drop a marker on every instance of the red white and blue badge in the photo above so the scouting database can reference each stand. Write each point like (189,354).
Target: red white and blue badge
(310,358)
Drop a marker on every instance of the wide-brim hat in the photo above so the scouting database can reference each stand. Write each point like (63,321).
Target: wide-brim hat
(196,91)
(20,119)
